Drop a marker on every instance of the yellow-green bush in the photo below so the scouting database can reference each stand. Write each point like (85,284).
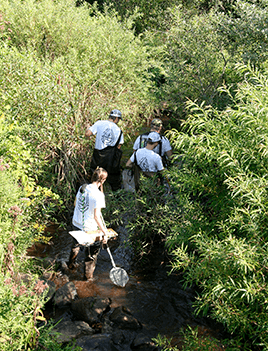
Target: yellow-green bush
(62,67)
(221,240)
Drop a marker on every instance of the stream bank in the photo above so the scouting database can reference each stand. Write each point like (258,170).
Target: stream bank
(102,316)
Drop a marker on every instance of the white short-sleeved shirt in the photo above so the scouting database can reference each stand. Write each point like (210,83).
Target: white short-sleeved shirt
(107,134)
(93,198)
(165,145)
(148,160)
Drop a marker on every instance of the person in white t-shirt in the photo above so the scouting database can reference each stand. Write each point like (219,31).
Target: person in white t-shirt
(149,162)
(163,148)
(108,135)
(87,216)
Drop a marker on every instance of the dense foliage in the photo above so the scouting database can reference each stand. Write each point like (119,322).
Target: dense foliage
(63,68)
(221,239)
(24,212)
(65,64)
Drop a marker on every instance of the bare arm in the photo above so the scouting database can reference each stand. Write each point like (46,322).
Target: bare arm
(88,133)
(129,163)
(169,153)
(97,217)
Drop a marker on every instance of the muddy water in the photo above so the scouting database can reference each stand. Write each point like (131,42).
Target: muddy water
(156,298)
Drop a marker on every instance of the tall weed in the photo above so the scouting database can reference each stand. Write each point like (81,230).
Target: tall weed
(225,174)
(62,69)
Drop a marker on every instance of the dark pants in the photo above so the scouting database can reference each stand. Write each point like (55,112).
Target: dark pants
(114,178)
(91,255)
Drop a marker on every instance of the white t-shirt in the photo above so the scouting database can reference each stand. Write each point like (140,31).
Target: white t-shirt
(107,134)
(148,160)
(93,198)
(165,145)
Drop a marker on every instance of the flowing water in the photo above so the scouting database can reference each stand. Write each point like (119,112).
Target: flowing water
(155,297)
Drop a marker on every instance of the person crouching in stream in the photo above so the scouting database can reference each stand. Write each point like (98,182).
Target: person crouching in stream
(87,216)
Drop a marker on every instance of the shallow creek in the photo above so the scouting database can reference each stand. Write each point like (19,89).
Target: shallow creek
(154,297)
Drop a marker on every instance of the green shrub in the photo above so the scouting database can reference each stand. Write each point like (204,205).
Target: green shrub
(12,213)
(148,15)
(192,340)
(244,32)
(20,302)
(164,343)
(23,325)
(118,206)
(202,49)
(39,205)
(48,340)
(25,210)
(151,217)
(20,311)
(64,68)
(224,175)
(196,61)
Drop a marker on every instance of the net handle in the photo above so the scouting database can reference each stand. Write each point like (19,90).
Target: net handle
(107,247)
(109,252)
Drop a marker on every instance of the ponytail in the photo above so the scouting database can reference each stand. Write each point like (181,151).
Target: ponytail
(99,175)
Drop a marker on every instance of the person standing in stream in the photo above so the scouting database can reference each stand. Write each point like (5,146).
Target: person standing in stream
(148,161)
(163,147)
(87,216)
(108,136)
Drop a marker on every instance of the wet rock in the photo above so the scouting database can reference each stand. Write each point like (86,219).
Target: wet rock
(99,342)
(63,252)
(156,298)
(123,339)
(62,266)
(107,327)
(69,330)
(90,309)
(64,316)
(183,295)
(65,295)
(143,343)
(179,321)
(60,279)
(122,317)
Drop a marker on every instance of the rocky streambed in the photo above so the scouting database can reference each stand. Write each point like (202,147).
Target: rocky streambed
(102,316)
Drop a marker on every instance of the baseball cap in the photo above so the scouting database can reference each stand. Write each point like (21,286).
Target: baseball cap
(116,113)
(156,122)
(154,137)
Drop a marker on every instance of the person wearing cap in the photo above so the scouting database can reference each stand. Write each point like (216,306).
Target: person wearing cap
(108,136)
(148,161)
(163,148)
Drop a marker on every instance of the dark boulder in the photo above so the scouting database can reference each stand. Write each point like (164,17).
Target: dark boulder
(65,295)
(122,317)
(69,330)
(90,309)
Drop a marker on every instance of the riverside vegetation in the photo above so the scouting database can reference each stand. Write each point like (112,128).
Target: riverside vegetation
(64,64)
